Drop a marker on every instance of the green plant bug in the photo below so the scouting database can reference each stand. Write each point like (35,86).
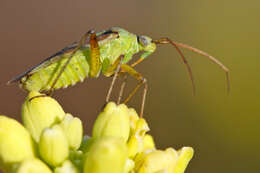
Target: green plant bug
(106,52)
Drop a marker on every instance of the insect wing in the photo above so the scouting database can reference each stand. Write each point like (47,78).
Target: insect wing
(102,38)
(45,63)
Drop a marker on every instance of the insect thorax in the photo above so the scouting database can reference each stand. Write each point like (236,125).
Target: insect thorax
(125,45)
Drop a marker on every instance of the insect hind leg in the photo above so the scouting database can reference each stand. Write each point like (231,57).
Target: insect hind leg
(93,43)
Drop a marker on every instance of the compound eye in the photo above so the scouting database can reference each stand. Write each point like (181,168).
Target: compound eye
(142,40)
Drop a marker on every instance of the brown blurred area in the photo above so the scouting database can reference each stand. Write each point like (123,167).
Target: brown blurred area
(223,128)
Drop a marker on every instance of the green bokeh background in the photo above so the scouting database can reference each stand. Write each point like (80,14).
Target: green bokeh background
(223,128)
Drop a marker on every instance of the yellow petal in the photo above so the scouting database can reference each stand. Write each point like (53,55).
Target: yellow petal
(185,155)
(129,165)
(136,141)
(133,116)
(148,142)
(157,161)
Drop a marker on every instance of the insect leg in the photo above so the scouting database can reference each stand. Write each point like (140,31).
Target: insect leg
(113,69)
(122,88)
(42,95)
(142,81)
(137,62)
(125,80)
(93,42)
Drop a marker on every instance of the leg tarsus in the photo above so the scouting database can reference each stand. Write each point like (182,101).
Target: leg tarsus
(42,95)
(144,96)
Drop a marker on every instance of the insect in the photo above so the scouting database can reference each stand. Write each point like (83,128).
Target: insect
(106,52)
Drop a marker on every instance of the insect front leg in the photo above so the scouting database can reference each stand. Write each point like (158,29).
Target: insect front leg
(142,81)
(94,52)
(113,69)
(125,80)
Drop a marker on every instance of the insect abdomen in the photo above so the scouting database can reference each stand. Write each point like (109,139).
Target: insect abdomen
(42,80)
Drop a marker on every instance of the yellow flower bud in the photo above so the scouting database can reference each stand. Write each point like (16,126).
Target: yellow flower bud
(73,129)
(53,146)
(185,155)
(16,143)
(157,161)
(113,121)
(135,143)
(40,113)
(67,167)
(33,165)
(106,155)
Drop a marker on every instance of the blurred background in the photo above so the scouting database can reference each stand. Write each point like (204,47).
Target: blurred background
(222,128)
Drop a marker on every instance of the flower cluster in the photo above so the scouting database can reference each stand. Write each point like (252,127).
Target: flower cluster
(52,141)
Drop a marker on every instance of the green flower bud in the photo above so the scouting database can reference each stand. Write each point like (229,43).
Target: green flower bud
(67,167)
(77,158)
(40,113)
(53,146)
(113,121)
(86,144)
(73,129)
(33,166)
(16,143)
(107,155)
(157,161)
(136,143)
(185,155)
